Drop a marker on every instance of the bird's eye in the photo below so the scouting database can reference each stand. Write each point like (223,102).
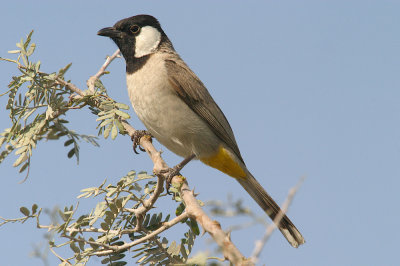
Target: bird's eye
(134,29)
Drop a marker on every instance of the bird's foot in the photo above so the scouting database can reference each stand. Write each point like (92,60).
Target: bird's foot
(136,139)
(170,173)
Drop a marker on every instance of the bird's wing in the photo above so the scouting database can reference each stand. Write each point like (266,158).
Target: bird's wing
(193,92)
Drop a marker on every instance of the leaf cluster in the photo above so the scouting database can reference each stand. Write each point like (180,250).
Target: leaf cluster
(38,103)
(113,222)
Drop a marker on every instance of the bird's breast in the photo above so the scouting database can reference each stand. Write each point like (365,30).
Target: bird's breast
(165,115)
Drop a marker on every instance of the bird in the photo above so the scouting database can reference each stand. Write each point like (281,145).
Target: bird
(178,110)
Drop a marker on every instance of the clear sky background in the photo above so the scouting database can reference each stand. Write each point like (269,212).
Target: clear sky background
(309,87)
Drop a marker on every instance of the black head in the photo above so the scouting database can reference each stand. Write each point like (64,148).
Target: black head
(137,37)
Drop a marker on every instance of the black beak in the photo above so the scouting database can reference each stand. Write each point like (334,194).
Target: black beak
(109,32)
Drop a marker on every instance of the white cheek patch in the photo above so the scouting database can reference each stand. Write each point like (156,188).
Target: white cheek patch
(147,41)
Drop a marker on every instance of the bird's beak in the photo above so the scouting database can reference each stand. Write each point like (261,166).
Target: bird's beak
(109,32)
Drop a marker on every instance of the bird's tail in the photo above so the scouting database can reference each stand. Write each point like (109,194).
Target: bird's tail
(257,192)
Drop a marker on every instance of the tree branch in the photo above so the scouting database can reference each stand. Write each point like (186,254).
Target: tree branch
(91,81)
(126,246)
(223,239)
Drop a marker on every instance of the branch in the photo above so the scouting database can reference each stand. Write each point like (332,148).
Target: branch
(259,245)
(126,246)
(140,212)
(91,81)
(59,257)
(223,239)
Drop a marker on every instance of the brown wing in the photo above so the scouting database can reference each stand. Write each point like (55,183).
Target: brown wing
(193,92)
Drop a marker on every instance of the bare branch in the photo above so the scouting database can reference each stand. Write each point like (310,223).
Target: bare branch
(259,245)
(59,257)
(91,81)
(148,204)
(223,240)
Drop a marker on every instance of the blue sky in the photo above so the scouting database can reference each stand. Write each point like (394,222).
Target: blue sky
(309,87)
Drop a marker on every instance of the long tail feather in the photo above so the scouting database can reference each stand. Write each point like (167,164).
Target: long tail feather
(257,192)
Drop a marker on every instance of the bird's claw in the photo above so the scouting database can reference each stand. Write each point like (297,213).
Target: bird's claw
(170,173)
(136,139)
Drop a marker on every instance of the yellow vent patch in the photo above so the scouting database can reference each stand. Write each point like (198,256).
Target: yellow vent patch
(224,162)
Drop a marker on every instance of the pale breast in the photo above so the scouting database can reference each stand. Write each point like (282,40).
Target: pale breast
(164,114)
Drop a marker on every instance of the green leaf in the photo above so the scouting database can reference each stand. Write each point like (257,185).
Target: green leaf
(104,226)
(107,131)
(21,150)
(74,248)
(68,142)
(62,71)
(14,51)
(20,159)
(108,115)
(105,261)
(23,167)
(180,209)
(113,208)
(121,128)
(114,132)
(34,208)
(194,226)
(24,211)
(118,263)
(31,49)
(105,122)
(71,153)
(122,106)
(122,114)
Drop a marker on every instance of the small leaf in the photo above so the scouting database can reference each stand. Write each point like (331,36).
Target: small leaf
(14,51)
(180,209)
(24,211)
(106,132)
(122,106)
(108,115)
(31,49)
(34,208)
(121,128)
(71,153)
(68,142)
(194,226)
(104,226)
(23,167)
(74,248)
(20,159)
(105,261)
(105,122)
(114,132)
(122,114)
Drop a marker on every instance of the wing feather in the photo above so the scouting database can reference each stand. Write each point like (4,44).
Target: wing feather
(193,92)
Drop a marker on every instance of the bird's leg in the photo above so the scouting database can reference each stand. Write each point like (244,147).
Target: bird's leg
(175,171)
(136,139)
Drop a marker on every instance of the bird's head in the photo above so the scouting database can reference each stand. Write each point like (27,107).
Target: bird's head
(136,36)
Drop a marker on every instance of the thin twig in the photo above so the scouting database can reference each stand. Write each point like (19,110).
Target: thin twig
(91,81)
(259,245)
(59,257)
(162,228)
